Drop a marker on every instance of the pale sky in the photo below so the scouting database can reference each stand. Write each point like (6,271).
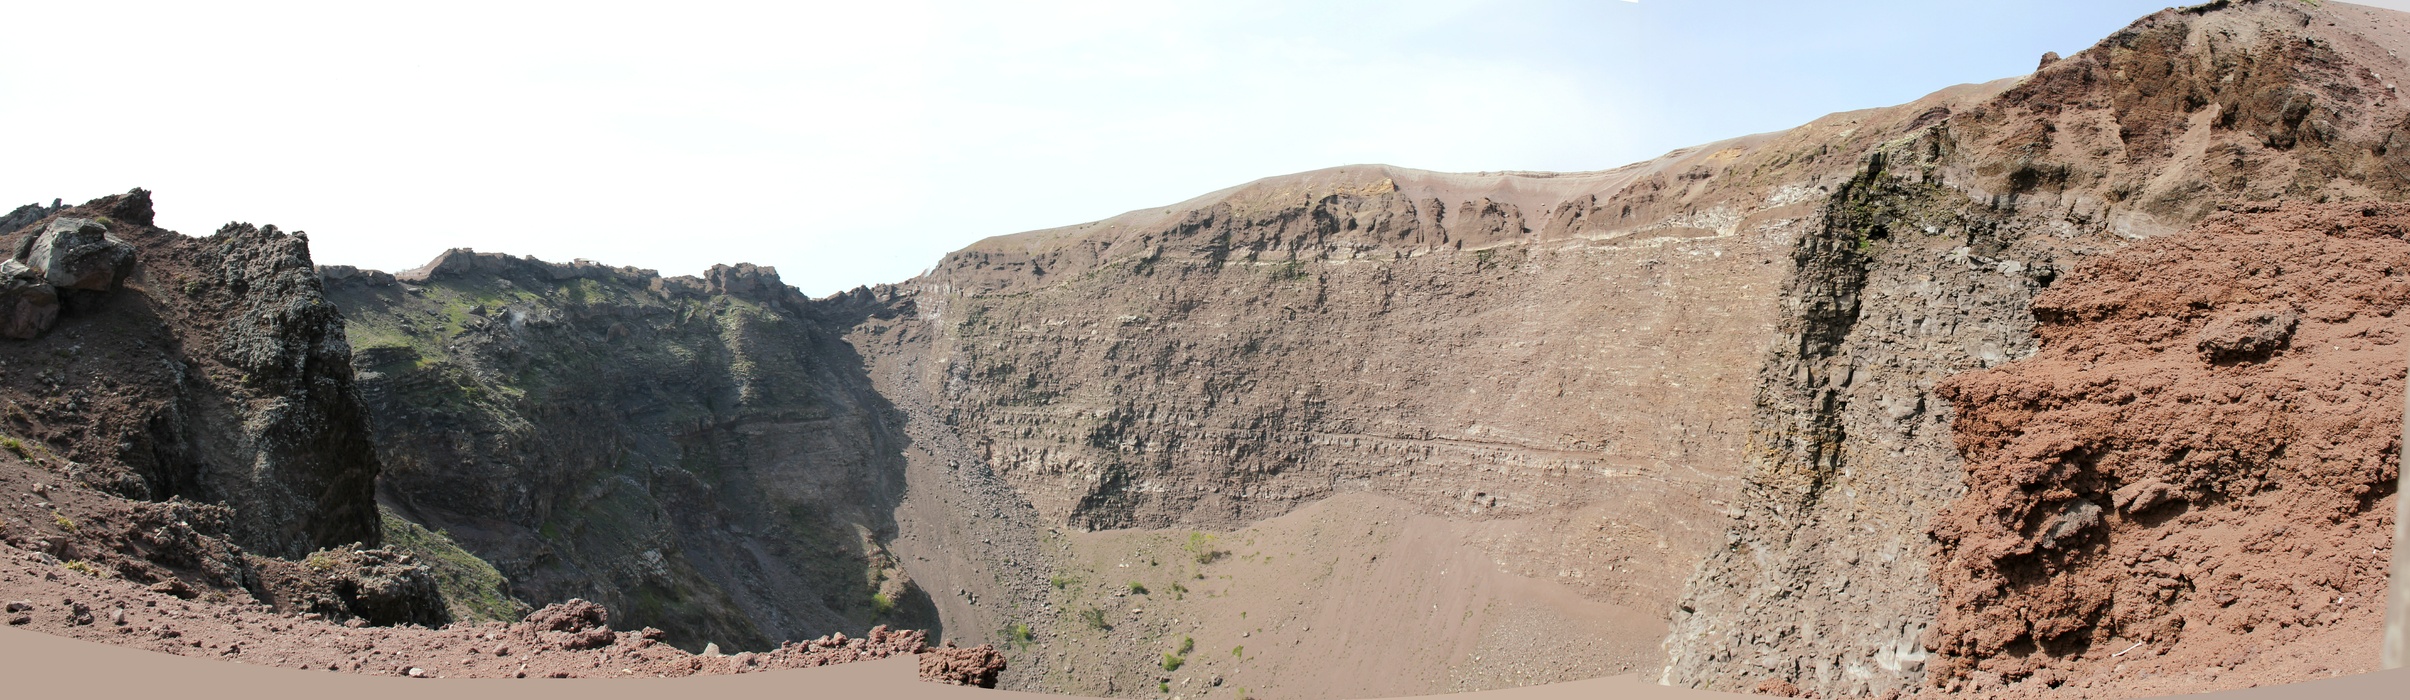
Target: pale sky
(855,143)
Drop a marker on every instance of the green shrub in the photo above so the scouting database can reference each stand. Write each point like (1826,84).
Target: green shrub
(1172,663)
(1095,619)
(1137,588)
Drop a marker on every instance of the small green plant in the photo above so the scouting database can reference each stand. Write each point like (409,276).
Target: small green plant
(1187,644)
(1179,592)
(1238,652)
(1201,546)
(1483,258)
(1019,636)
(12,445)
(86,568)
(1172,663)
(1137,588)
(319,561)
(880,604)
(1290,271)
(1062,582)
(1163,686)
(1094,618)
(61,520)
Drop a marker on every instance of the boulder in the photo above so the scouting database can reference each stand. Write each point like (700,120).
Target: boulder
(28,304)
(77,253)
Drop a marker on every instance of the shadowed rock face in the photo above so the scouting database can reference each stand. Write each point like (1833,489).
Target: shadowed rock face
(28,304)
(697,454)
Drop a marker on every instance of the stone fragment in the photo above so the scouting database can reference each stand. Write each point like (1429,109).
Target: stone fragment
(28,304)
(2248,335)
(975,666)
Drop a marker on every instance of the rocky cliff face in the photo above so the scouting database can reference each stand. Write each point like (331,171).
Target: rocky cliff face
(697,454)
(1553,354)
(1893,402)
(1927,266)
(185,416)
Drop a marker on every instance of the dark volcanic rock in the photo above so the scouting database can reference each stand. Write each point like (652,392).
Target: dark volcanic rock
(218,373)
(24,216)
(699,455)
(28,305)
(378,586)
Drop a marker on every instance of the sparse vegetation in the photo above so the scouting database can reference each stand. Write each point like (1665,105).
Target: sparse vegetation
(472,588)
(1137,588)
(1202,547)
(1187,644)
(86,568)
(881,605)
(1019,636)
(1062,582)
(1179,592)
(1172,662)
(13,446)
(1238,652)
(1094,618)
(61,520)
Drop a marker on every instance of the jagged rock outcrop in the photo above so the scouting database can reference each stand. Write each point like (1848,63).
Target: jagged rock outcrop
(217,374)
(27,215)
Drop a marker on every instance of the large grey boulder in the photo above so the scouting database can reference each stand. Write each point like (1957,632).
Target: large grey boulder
(79,254)
(28,304)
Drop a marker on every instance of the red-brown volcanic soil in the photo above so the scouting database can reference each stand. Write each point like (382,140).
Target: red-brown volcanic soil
(2191,485)
(564,640)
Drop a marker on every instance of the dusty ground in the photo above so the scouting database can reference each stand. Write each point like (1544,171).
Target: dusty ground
(1353,596)
(2191,486)
(557,642)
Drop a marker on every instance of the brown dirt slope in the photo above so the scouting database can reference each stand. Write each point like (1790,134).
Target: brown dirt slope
(2196,470)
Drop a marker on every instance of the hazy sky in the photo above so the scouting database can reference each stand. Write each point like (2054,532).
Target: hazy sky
(852,143)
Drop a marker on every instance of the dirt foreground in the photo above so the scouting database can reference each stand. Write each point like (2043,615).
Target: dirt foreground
(565,640)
